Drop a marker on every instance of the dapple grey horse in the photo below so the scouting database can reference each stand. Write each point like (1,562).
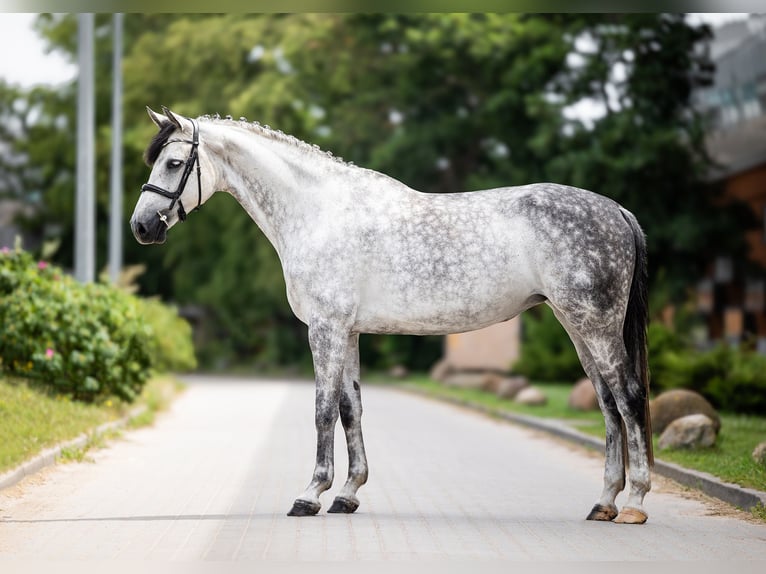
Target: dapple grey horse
(364,253)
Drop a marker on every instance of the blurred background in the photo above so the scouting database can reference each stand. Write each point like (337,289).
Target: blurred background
(665,113)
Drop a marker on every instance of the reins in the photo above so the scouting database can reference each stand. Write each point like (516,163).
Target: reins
(176,195)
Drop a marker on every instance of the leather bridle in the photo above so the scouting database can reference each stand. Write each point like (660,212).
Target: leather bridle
(176,195)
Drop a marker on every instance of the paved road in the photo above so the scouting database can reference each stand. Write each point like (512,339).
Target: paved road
(215,476)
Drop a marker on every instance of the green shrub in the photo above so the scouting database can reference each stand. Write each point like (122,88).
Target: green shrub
(84,341)
(171,345)
(733,379)
(547,353)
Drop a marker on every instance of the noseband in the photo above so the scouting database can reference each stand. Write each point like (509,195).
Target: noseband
(176,195)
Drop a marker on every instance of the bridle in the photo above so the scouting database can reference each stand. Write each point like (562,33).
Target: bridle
(176,195)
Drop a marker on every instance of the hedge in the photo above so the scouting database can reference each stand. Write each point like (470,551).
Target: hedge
(88,342)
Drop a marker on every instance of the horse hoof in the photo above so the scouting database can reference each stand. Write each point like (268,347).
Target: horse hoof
(601,512)
(342,505)
(304,508)
(631,516)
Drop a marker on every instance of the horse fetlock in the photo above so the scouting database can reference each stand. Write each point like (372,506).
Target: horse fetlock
(323,479)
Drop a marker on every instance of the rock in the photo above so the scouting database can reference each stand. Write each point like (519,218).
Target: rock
(493,382)
(759,454)
(583,396)
(398,372)
(440,370)
(510,387)
(468,380)
(531,396)
(691,431)
(672,405)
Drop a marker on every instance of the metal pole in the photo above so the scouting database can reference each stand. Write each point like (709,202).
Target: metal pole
(115,210)
(85,216)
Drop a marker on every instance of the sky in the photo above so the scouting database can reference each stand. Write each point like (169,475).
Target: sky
(37,67)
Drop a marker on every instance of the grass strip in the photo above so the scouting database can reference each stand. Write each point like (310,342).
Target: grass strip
(32,420)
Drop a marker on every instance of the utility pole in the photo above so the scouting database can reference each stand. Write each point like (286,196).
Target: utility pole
(85,215)
(115,197)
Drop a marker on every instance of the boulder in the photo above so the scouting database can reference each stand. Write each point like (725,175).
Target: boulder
(677,403)
(398,372)
(493,382)
(531,396)
(691,431)
(583,396)
(509,387)
(759,454)
(440,370)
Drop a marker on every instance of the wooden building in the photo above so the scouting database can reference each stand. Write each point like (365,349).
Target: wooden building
(733,293)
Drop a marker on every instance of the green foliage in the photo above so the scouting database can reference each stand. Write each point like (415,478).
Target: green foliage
(87,342)
(170,346)
(547,353)
(732,378)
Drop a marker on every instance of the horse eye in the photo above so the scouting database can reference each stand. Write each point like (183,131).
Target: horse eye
(174,163)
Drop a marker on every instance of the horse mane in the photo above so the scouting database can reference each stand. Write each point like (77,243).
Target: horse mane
(272,134)
(159,140)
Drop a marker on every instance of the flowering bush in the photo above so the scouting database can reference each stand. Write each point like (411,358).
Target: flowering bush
(171,347)
(88,342)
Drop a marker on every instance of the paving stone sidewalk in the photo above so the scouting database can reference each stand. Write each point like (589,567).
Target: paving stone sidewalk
(214,478)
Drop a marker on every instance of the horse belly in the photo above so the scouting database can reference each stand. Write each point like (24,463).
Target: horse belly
(439,309)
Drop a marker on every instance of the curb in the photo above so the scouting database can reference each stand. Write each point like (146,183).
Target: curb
(49,456)
(739,496)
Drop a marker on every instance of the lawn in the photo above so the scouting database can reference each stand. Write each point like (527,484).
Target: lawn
(730,459)
(32,420)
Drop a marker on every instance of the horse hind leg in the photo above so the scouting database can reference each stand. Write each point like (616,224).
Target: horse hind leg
(614,463)
(630,396)
(351,418)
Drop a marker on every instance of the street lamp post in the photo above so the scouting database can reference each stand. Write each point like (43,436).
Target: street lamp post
(85,214)
(115,210)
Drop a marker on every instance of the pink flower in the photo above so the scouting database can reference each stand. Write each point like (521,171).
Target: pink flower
(49,353)
(42,264)
(5,251)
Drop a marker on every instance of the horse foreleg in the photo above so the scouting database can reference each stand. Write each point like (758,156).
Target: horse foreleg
(328,343)
(351,418)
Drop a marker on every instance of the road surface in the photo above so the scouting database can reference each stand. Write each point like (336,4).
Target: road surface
(215,476)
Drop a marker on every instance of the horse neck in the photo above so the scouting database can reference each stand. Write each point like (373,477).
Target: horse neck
(273,180)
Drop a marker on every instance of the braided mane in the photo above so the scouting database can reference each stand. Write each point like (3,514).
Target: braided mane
(272,134)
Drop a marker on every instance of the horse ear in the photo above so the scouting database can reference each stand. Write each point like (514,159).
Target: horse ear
(172,117)
(156,118)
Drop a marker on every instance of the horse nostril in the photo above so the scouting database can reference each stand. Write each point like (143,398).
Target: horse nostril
(141,228)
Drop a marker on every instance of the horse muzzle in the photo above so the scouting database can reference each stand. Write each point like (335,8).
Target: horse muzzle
(153,229)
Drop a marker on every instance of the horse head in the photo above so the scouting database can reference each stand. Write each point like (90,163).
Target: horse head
(176,181)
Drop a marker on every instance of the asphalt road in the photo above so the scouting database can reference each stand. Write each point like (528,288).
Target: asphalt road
(215,476)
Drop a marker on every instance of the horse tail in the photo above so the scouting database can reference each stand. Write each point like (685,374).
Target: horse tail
(634,327)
